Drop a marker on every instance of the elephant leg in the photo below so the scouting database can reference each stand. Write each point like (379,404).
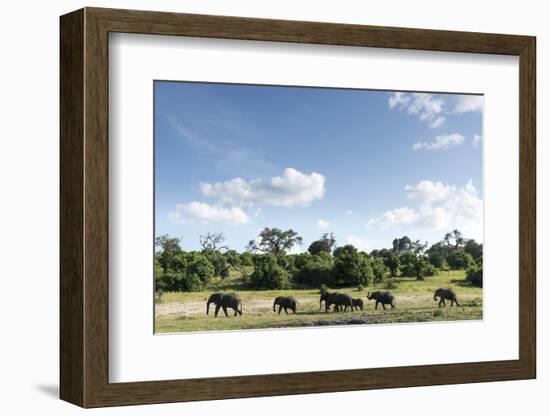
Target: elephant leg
(286,312)
(384,305)
(236,310)
(280,309)
(456,301)
(217,310)
(225,310)
(376,306)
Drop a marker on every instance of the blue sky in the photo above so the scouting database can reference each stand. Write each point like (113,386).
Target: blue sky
(368,166)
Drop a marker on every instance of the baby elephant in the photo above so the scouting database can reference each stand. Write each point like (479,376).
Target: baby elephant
(357,304)
(285,302)
(447,294)
(385,298)
(224,301)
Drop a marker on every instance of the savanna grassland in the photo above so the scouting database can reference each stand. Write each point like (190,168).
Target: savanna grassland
(186,311)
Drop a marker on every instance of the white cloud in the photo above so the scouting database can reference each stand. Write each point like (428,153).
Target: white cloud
(468,103)
(323,224)
(432,109)
(427,107)
(359,243)
(440,207)
(428,191)
(207,214)
(400,99)
(476,140)
(349,212)
(292,188)
(442,142)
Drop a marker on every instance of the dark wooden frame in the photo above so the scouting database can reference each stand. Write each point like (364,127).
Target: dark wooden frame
(84,207)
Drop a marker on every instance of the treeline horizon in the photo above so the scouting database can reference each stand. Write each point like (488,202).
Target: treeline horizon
(266,264)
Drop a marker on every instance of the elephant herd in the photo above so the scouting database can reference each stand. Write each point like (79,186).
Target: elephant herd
(341,301)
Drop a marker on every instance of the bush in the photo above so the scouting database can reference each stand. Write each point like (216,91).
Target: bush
(219,261)
(408,270)
(313,270)
(360,288)
(391,260)
(192,272)
(430,270)
(351,268)
(379,269)
(437,260)
(474,275)
(459,259)
(390,284)
(408,264)
(268,274)
(246,259)
(181,282)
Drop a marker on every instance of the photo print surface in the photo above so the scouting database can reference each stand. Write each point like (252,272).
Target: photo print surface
(286,206)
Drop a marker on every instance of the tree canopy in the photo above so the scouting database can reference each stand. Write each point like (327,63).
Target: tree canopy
(274,241)
(268,265)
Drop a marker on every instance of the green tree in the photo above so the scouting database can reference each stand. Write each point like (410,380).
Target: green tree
(474,249)
(437,254)
(459,259)
(454,239)
(246,259)
(408,264)
(218,260)
(421,268)
(474,275)
(351,268)
(200,267)
(169,247)
(324,245)
(274,241)
(418,248)
(268,274)
(402,245)
(379,269)
(313,270)
(391,260)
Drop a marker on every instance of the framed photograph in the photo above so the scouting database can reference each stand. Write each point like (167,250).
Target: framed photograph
(254,207)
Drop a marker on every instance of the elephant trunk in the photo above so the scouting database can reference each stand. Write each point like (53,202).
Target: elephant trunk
(274,303)
(207,306)
(435,296)
(368,296)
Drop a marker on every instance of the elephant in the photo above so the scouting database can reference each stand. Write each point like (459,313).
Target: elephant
(357,303)
(385,298)
(340,300)
(224,301)
(443,294)
(285,302)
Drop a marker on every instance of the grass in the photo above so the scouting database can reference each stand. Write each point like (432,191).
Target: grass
(183,312)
